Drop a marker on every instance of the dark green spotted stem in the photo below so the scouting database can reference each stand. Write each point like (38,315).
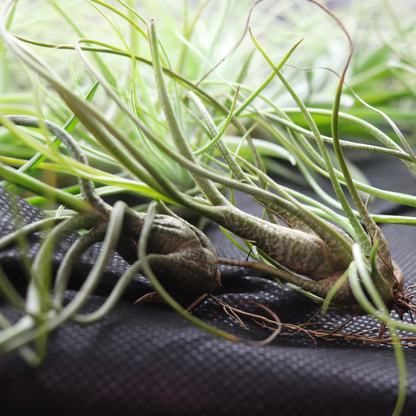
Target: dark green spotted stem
(266,235)
(147,268)
(291,219)
(228,217)
(363,238)
(384,263)
(205,185)
(342,298)
(391,196)
(326,232)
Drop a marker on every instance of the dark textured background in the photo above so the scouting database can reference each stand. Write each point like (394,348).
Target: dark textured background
(146,360)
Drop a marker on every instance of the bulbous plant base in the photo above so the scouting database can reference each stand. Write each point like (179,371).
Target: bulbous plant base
(182,257)
(344,299)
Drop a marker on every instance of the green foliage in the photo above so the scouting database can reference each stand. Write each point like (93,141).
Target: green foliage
(142,112)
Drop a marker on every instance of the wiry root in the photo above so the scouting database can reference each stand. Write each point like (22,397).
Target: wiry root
(258,319)
(403,302)
(365,336)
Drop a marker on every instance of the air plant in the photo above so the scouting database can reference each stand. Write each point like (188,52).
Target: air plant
(343,266)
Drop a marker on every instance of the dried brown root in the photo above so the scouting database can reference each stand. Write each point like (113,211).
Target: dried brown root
(234,312)
(332,335)
(403,302)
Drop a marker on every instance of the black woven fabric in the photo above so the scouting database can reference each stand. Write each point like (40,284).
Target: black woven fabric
(146,360)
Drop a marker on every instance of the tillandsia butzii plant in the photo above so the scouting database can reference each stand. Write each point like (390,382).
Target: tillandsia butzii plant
(343,266)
